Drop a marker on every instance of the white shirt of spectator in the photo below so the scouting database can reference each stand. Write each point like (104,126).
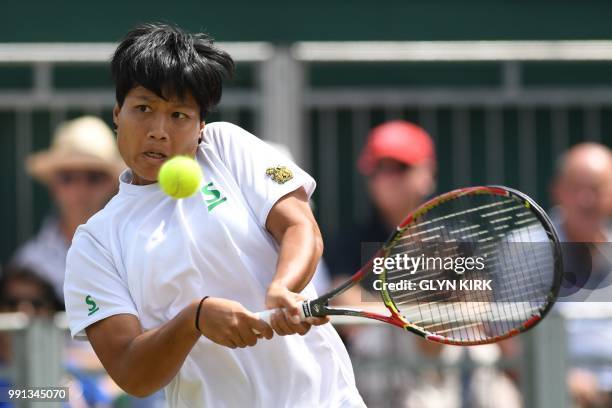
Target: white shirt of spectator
(45,254)
(149,255)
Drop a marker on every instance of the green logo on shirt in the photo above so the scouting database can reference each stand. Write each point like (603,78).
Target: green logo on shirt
(93,308)
(215,196)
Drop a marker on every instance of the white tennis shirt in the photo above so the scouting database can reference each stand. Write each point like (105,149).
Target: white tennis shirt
(149,255)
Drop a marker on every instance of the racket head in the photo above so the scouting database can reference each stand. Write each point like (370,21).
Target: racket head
(525,278)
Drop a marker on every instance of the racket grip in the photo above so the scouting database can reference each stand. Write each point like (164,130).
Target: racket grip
(266,315)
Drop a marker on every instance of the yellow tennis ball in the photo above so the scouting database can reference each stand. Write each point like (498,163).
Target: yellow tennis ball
(180,177)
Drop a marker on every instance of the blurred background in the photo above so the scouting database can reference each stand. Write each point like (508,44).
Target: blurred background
(503,88)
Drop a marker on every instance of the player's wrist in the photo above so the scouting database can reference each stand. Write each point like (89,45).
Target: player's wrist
(279,286)
(275,293)
(198,315)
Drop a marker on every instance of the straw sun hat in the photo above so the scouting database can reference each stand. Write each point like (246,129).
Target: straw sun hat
(85,143)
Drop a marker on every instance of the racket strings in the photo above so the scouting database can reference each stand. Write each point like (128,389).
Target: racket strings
(501,230)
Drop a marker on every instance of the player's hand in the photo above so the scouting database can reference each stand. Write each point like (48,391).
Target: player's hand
(288,321)
(230,324)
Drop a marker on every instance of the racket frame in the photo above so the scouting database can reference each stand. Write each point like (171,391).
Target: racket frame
(320,306)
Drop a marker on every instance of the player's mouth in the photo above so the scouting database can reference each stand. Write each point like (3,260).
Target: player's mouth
(155,157)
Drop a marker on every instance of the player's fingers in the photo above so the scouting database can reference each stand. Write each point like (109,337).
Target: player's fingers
(228,343)
(236,337)
(302,328)
(264,329)
(293,315)
(289,303)
(318,321)
(246,334)
(298,327)
(280,324)
(260,328)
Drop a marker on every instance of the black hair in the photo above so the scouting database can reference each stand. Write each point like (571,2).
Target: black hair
(24,274)
(170,62)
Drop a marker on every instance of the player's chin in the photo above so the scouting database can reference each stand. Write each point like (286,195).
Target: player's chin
(147,171)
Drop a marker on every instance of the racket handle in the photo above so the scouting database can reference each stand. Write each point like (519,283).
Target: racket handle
(266,315)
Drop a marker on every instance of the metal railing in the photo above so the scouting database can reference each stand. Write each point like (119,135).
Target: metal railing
(473,121)
(38,358)
(287,108)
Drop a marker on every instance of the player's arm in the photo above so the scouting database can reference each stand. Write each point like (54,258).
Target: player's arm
(141,362)
(294,228)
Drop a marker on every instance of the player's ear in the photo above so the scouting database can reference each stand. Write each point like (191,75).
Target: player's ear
(202,124)
(116,110)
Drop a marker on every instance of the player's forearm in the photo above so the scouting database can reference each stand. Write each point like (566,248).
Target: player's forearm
(301,248)
(154,357)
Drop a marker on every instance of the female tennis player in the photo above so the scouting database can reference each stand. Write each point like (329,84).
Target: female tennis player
(163,288)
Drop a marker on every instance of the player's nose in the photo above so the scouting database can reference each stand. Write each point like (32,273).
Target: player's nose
(159,128)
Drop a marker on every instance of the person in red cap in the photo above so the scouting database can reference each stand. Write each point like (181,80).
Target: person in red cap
(399,163)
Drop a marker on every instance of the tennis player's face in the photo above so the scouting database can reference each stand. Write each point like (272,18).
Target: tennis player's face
(150,130)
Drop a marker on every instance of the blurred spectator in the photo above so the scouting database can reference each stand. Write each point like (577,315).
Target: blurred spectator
(81,171)
(399,163)
(582,192)
(22,290)
(444,382)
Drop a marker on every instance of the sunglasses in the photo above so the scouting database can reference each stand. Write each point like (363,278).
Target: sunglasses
(390,168)
(91,178)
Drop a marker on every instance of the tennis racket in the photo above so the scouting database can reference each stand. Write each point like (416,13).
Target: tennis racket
(508,287)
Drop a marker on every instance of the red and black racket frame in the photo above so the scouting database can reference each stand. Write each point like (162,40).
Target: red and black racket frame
(320,306)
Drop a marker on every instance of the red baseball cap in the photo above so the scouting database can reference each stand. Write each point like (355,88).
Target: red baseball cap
(399,140)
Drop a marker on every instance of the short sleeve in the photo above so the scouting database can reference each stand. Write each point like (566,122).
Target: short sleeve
(263,173)
(93,288)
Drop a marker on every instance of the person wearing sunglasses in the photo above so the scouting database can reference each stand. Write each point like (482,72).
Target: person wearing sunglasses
(22,290)
(80,170)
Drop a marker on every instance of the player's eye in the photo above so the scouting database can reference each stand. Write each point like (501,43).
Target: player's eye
(143,108)
(179,115)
